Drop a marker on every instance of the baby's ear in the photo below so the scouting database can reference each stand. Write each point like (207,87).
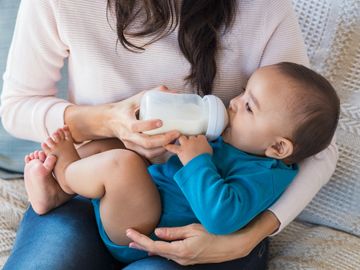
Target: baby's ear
(281,148)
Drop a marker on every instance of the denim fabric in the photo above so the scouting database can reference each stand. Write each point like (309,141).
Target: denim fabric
(67,238)
(256,260)
(13,150)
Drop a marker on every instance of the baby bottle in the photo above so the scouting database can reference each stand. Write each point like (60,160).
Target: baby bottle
(188,113)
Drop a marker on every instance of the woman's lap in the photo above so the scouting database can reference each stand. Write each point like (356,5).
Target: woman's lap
(256,260)
(67,238)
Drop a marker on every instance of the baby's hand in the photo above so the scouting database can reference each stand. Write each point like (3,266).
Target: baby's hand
(190,147)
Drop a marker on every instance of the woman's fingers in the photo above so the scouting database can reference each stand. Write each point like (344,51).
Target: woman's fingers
(190,244)
(125,126)
(145,152)
(145,125)
(175,233)
(153,141)
(143,242)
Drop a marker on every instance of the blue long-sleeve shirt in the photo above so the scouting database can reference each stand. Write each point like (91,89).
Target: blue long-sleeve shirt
(223,191)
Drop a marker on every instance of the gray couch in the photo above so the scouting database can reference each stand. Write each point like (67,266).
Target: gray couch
(326,234)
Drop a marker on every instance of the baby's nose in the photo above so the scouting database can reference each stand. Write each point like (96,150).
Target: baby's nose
(233,105)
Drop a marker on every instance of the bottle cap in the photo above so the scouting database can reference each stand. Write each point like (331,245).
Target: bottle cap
(217,118)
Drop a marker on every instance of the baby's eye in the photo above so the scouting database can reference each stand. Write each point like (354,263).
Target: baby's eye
(248,108)
(243,89)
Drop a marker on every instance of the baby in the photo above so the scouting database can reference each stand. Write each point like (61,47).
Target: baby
(285,114)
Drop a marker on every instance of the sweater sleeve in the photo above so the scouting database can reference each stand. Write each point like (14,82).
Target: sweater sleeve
(314,172)
(285,43)
(224,205)
(29,106)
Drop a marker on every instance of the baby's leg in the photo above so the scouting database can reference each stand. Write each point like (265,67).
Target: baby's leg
(44,192)
(119,177)
(98,146)
(86,150)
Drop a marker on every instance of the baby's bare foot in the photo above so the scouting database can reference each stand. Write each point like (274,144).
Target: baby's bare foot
(43,191)
(61,145)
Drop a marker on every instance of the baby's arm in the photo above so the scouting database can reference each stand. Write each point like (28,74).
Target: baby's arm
(222,205)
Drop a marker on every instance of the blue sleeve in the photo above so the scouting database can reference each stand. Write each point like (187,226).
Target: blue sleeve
(224,205)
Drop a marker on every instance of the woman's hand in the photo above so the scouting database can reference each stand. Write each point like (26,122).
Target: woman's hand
(125,126)
(91,122)
(192,244)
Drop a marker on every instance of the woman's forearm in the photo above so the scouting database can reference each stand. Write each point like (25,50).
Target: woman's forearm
(314,173)
(242,242)
(88,122)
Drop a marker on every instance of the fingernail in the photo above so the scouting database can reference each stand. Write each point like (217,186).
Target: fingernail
(159,124)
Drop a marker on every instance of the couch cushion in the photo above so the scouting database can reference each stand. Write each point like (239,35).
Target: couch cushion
(304,246)
(332,34)
(13,201)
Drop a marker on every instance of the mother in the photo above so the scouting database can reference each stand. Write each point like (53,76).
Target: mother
(209,46)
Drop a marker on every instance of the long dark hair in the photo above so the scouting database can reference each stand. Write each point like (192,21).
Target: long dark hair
(201,22)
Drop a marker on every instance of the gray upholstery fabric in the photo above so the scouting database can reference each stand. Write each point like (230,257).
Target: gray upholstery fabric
(332,35)
(305,246)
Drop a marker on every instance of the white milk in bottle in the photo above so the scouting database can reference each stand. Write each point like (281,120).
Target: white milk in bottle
(188,113)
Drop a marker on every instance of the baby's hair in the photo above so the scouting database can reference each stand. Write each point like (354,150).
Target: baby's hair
(316,109)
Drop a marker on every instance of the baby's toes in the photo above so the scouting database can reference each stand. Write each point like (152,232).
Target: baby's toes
(50,143)
(27,159)
(56,136)
(45,147)
(61,133)
(42,156)
(36,154)
(67,133)
(49,162)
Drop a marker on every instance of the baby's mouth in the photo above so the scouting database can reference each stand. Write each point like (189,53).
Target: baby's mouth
(226,130)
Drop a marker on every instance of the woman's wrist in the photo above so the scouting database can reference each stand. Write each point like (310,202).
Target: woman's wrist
(88,122)
(249,237)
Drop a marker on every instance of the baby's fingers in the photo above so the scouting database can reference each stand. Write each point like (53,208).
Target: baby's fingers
(173,148)
(183,139)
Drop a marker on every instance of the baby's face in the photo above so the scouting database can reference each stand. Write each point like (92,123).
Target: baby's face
(260,113)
